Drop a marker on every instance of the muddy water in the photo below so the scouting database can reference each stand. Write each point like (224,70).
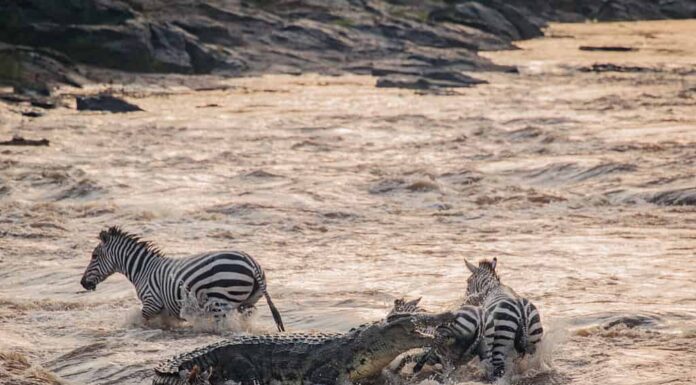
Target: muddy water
(581,183)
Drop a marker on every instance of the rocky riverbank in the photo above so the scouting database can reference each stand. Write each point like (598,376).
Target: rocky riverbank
(407,43)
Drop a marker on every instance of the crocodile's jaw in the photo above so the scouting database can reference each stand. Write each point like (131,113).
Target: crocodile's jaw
(372,359)
(378,345)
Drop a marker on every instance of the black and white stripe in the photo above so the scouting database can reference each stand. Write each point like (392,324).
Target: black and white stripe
(516,321)
(470,334)
(219,281)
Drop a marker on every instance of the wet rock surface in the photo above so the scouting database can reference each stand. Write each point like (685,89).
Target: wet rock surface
(104,103)
(254,37)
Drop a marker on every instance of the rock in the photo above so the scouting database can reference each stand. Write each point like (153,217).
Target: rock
(608,67)
(19,141)
(109,34)
(631,321)
(209,31)
(678,9)
(32,114)
(677,197)
(428,81)
(388,37)
(615,10)
(478,16)
(35,71)
(89,12)
(607,48)
(104,103)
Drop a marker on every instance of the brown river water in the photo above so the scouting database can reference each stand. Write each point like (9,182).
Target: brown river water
(583,184)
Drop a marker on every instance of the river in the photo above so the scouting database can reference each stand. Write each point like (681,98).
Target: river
(581,180)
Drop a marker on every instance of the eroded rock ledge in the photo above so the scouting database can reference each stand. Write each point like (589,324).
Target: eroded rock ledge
(405,41)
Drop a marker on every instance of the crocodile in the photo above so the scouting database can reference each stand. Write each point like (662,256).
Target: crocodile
(357,356)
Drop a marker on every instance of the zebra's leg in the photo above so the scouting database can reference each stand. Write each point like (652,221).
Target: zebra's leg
(485,347)
(503,342)
(150,308)
(246,310)
(219,311)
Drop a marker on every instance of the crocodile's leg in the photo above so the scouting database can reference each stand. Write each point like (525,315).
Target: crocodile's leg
(238,369)
(326,374)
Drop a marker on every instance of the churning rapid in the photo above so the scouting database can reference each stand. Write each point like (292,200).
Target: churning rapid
(578,174)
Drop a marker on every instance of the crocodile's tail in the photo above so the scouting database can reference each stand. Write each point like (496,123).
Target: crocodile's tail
(275,312)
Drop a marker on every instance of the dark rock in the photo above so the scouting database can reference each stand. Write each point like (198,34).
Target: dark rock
(428,81)
(64,12)
(32,114)
(608,67)
(607,48)
(44,103)
(615,10)
(631,321)
(34,71)
(453,77)
(104,103)
(386,37)
(678,9)
(678,197)
(478,16)
(209,31)
(19,141)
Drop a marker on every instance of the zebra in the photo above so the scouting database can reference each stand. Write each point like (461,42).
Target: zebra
(470,334)
(516,321)
(219,281)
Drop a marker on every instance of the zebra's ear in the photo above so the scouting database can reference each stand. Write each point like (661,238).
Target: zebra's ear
(494,262)
(104,236)
(471,267)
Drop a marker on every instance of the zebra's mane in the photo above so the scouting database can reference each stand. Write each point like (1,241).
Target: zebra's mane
(489,267)
(115,232)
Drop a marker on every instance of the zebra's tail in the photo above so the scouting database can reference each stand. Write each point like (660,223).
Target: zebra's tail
(275,312)
(522,344)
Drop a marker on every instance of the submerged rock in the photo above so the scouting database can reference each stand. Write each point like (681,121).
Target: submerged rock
(20,141)
(105,103)
(631,321)
(678,197)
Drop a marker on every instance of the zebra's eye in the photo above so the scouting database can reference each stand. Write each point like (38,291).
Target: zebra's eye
(95,255)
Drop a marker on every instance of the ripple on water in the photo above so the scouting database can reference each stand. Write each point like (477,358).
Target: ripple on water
(17,369)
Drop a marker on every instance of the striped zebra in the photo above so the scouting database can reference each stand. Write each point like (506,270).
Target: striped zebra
(516,321)
(470,334)
(219,281)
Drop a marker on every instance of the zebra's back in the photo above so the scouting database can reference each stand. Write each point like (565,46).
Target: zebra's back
(222,277)
(470,334)
(517,326)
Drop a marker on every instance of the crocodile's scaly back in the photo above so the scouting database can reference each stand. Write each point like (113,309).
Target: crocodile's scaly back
(187,368)
(323,358)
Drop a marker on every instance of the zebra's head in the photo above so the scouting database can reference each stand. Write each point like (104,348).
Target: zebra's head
(102,265)
(483,277)
(403,306)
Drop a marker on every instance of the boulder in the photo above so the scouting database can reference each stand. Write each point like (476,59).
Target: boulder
(478,16)
(104,103)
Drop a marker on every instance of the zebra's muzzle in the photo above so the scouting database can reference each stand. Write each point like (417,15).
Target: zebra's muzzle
(88,285)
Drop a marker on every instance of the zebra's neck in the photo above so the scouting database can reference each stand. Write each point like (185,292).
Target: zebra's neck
(490,290)
(134,259)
